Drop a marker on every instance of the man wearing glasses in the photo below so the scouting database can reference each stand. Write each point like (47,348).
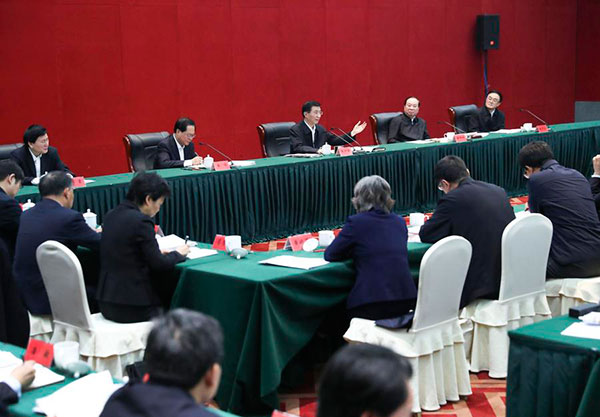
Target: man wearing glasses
(177,150)
(488,118)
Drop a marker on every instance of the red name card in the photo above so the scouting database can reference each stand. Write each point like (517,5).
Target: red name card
(221,166)
(219,242)
(295,242)
(277,413)
(542,128)
(460,138)
(39,351)
(78,182)
(344,151)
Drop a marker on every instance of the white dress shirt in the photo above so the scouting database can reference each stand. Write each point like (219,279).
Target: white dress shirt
(312,130)
(186,163)
(37,161)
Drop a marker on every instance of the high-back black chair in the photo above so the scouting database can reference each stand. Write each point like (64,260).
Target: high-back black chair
(141,149)
(380,123)
(275,138)
(459,116)
(5,150)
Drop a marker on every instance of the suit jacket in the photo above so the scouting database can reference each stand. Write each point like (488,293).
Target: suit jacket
(153,400)
(595,186)
(167,155)
(479,212)
(129,254)
(10,214)
(483,122)
(564,196)
(403,129)
(301,138)
(50,162)
(48,220)
(376,240)
(7,397)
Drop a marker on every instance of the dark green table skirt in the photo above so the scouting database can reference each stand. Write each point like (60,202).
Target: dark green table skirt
(283,196)
(550,375)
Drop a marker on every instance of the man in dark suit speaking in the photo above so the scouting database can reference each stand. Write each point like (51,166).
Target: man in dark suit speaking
(177,150)
(307,136)
(477,211)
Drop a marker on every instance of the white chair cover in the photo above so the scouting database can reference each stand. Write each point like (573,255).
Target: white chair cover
(104,344)
(434,344)
(565,293)
(522,300)
(40,327)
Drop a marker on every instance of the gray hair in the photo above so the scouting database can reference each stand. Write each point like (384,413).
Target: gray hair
(372,192)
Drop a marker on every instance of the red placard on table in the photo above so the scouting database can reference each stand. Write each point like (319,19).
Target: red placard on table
(219,242)
(542,128)
(221,165)
(460,138)
(344,151)
(277,413)
(295,242)
(78,182)
(39,351)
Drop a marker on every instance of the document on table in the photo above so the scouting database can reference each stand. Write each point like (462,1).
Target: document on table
(580,329)
(243,163)
(43,375)
(196,253)
(413,234)
(297,262)
(169,242)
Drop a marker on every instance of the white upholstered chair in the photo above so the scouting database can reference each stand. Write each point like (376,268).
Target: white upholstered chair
(522,299)
(40,327)
(104,344)
(564,293)
(434,343)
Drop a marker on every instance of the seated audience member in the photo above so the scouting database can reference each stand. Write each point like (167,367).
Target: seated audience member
(36,157)
(488,118)
(477,211)
(51,219)
(11,177)
(131,264)
(365,380)
(307,136)
(11,386)
(376,239)
(177,150)
(183,357)
(407,126)
(595,181)
(564,196)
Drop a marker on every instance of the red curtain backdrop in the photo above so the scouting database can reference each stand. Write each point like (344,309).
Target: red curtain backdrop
(92,71)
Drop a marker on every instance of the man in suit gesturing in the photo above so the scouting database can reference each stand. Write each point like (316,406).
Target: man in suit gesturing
(177,150)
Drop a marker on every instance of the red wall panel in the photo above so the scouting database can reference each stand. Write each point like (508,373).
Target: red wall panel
(92,71)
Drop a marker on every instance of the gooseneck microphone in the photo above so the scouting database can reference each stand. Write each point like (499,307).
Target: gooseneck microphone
(348,135)
(216,150)
(340,137)
(531,113)
(451,125)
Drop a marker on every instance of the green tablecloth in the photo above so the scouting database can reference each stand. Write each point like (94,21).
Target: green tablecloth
(550,375)
(283,196)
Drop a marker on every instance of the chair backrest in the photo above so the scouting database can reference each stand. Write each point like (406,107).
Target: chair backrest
(5,150)
(140,149)
(380,123)
(275,138)
(459,116)
(63,279)
(525,248)
(441,280)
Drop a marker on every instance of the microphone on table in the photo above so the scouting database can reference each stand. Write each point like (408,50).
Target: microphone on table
(219,152)
(451,125)
(331,129)
(347,135)
(531,113)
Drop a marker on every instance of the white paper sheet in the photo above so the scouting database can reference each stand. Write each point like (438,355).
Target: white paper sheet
(43,375)
(196,253)
(583,330)
(413,234)
(169,242)
(297,262)
(508,131)
(243,163)
(88,181)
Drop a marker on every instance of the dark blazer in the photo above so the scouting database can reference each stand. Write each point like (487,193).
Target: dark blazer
(595,186)
(377,242)
(403,129)
(483,122)
(153,400)
(50,162)
(10,214)
(301,138)
(479,212)
(564,196)
(48,220)
(129,254)
(167,154)
(7,397)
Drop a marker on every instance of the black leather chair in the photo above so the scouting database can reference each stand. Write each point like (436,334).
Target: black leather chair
(380,123)
(459,116)
(5,150)
(141,149)
(275,138)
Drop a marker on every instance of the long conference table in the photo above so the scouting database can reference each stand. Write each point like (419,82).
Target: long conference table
(284,196)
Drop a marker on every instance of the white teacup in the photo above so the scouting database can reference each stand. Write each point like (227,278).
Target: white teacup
(232,242)
(417,219)
(66,353)
(325,238)
(528,126)
(326,149)
(449,136)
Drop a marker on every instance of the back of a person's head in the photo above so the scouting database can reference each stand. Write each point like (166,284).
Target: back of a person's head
(450,168)
(147,184)
(8,167)
(54,183)
(534,154)
(361,378)
(32,133)
(182,346)
(372,192)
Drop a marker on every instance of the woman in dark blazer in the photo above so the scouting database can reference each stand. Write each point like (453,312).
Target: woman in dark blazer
(376,239)
(129,255)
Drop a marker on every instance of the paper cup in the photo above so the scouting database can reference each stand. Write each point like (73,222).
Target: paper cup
(325,238)
(66,353)
(417,219)
(232,242)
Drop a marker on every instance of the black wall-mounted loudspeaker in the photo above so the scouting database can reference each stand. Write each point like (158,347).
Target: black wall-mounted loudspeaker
(488,31)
